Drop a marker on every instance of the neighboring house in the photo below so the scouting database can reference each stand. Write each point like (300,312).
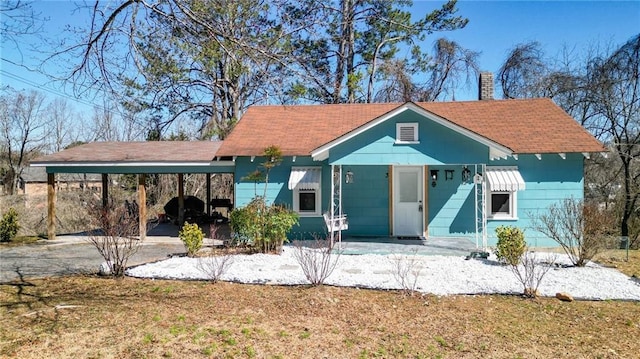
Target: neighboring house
(33,182)
(438,169)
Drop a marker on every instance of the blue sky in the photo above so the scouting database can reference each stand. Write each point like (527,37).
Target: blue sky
(494,28)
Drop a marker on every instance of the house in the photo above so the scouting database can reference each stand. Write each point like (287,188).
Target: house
(400,170)
(33,182)
(438,169)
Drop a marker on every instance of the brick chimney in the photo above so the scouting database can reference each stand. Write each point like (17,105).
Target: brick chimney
(485,86)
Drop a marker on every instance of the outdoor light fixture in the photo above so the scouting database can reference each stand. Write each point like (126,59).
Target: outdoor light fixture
(348,177)
(466,174)
(434,177)
(448,175)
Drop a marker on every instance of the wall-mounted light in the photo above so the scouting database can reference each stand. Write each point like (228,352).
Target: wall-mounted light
(348,177)
(434,177)
(448,175)
(466,174)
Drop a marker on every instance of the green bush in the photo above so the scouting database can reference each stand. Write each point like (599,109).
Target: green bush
(9,225)
(261,226)
(511,244)
(191,236)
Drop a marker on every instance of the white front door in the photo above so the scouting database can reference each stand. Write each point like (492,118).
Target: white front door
(408,208)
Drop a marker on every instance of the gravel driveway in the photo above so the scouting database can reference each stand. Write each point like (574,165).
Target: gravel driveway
(72,255)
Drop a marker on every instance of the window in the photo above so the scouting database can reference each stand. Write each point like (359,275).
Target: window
(407,133)
(503,184)
(305,182)
(502,205)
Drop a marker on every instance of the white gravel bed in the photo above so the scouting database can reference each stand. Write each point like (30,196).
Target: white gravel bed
(439,275)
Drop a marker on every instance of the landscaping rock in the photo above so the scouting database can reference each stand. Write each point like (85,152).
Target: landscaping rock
(565,297)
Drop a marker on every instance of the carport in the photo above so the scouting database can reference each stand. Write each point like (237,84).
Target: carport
(140,158)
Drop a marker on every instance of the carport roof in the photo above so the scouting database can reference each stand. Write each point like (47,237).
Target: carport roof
(152,151)
(137,157)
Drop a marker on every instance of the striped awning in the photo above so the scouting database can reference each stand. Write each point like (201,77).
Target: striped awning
(305,178)
(504,179)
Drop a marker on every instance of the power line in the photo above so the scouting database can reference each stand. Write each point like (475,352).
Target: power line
(48,89)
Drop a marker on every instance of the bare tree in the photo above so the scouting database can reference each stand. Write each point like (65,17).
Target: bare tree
(18,18)
(22,132)
(615,96)
(60,125)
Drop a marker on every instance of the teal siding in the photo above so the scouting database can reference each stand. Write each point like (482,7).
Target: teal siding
(366,201)
(438,145)
(451,204)
(278,191)
(548,181)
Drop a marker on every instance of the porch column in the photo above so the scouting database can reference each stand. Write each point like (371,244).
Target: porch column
(142,206)
(51,206)
(105,190)
(180,199)
(208,210)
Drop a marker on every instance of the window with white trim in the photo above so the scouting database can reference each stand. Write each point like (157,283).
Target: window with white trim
(503,184)
(407,132)
(502,205)
(307,195)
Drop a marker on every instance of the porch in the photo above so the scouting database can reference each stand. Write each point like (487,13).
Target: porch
(350,245)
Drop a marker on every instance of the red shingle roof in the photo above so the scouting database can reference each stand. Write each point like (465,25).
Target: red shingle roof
(524,126)
(154,151)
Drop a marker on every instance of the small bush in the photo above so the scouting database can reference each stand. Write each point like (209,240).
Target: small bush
(511,244)
(192,237)
(113,235)
(530,272)
(407,272)
(262,226)
(9,225)
(581,229)
(215,265)
(316,259)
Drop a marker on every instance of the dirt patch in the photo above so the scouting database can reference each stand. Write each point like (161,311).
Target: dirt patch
(95,317)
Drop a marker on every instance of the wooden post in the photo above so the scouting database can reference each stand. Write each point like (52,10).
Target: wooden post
(105,190)
(142,205)
(51,206)
(208,194)
(180,199)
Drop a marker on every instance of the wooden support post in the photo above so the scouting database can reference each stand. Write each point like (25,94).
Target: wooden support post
(142,205)
(51,206)
(208,194)
(105,190)
(180,199)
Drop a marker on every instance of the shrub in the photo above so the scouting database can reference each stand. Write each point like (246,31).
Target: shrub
(406,271)
(215,265)
(261,226)
(9,225)
(582,230)
(112,232)
(530,272)
(192,237)
(511,244)
(316,259)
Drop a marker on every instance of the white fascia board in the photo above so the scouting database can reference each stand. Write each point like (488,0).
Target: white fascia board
(505,151)
(132,164)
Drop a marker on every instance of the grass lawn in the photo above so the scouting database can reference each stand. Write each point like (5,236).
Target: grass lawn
(90,317)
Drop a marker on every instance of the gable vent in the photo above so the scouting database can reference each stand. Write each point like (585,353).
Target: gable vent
(407,132)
